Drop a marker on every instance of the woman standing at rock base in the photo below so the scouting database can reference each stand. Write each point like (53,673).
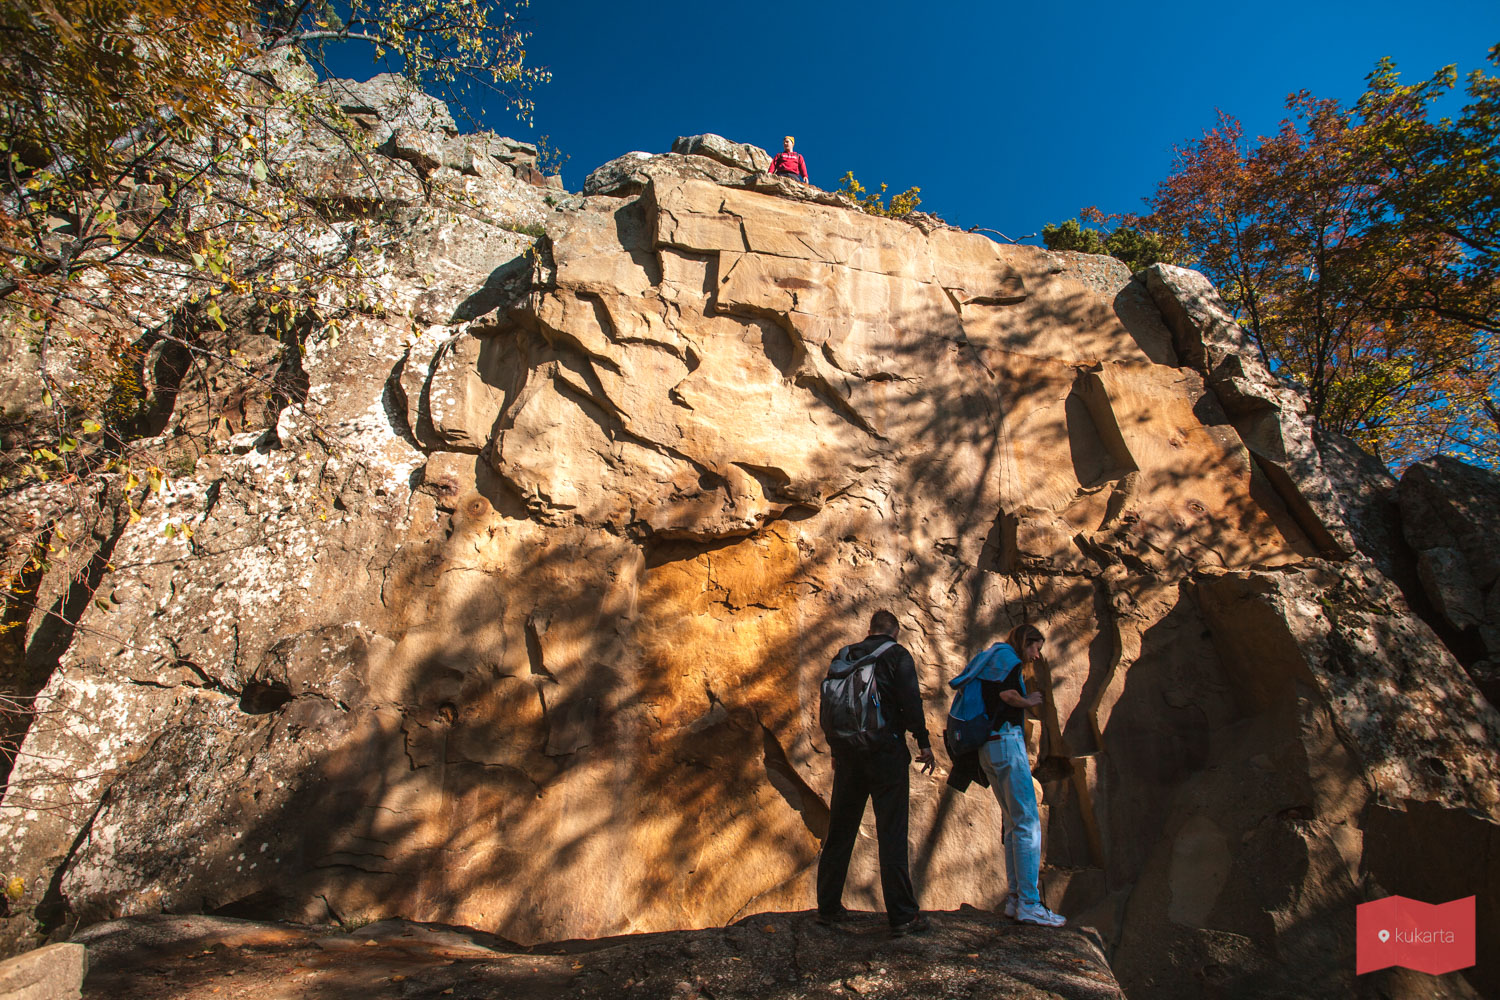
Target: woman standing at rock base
(1008,768)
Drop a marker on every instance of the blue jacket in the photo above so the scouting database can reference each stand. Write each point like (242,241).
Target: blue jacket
(993,664)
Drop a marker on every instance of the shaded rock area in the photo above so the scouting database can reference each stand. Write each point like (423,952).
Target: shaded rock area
(769,955)
(1450,513)
(1366,491)
(515,620)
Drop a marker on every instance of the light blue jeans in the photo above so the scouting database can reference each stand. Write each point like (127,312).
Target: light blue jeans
(1004,761)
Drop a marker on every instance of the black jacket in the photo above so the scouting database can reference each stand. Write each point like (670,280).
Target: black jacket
(900,696)
(965,770)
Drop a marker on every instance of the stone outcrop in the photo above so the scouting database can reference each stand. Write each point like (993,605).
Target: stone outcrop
(736,154)
(1270,417)
(516,622)
(388,102)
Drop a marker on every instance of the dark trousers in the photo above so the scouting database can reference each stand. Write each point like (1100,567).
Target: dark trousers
(885,777)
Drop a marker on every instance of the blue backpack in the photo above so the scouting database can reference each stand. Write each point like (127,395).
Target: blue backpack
(969,726)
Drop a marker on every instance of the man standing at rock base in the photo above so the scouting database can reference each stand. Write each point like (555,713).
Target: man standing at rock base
(880,773)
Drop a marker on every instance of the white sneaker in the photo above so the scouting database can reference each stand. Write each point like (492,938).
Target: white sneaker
(1036,913)
(1010,905)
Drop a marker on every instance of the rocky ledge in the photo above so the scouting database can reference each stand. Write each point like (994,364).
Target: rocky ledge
(968,953)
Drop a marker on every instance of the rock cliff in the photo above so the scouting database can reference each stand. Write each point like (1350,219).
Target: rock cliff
(514,616)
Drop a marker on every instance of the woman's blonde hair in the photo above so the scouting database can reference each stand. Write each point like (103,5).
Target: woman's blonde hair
(792,138)
(1022,636)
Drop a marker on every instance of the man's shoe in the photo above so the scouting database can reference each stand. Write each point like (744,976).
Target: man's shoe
(1011,902)
(917,925)
(1036,913)
(840,916)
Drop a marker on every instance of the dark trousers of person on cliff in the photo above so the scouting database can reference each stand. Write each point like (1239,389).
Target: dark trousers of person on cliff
(884,776)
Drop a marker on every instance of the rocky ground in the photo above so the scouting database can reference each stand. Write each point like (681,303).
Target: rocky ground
(968,953)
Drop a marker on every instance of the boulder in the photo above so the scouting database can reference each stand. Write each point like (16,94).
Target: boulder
(390,101)
(735,154)
(630,173)
(52,972)
(475,155)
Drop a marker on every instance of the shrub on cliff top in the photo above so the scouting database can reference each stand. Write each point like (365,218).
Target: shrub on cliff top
(873,202)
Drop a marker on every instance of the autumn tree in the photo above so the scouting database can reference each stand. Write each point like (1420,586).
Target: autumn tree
(1357,247)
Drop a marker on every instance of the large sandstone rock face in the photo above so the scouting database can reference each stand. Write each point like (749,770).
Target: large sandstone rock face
(518,623)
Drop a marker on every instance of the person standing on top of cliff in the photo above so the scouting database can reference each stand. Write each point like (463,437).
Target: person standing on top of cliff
(1006,765)
(789,163)
(880,771)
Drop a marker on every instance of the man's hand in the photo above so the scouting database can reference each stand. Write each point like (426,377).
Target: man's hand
(927,760)
(1034,699)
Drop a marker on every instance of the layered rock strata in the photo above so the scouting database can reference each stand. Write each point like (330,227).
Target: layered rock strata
(517,623)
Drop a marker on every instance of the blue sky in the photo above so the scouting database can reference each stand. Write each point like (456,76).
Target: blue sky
(1006,115)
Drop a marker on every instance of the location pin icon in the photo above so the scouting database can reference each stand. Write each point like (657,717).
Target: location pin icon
(1384,936)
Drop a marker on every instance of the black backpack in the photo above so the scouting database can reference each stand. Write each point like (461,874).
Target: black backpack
(850,709)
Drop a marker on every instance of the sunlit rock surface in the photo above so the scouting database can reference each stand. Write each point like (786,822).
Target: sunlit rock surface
(517,623)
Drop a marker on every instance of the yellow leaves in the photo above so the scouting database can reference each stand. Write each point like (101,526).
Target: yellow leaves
(873,202)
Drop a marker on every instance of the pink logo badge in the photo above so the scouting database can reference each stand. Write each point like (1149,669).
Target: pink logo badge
(1422,936)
